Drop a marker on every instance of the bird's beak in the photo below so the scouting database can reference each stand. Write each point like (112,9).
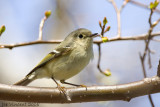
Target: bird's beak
(93,35)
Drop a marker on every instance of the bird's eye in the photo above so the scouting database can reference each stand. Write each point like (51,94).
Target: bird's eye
(80,36)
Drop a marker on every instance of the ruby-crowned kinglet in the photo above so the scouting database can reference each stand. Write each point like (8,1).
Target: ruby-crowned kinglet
(66,60)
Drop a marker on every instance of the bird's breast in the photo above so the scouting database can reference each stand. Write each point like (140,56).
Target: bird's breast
(70,65)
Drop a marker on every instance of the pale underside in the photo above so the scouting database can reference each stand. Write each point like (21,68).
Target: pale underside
(66,66)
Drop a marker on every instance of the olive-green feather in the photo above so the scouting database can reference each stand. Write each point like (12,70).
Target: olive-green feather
(46,59)
(50,57)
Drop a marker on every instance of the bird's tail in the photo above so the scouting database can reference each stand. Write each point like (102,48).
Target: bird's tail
(24,81)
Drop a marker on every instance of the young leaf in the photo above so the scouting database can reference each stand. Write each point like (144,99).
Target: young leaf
(2,29)
(100,24)
(107,29)
(154,5)
(105,21)
(47,13)
(104,39)
(107,72)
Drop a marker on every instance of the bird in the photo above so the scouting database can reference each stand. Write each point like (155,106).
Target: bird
(70,57)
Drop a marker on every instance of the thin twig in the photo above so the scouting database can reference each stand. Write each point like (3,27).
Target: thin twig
(143,66)
(118,12)
(142,5)
(147,50)
(119,23)
(150,18)
(41,28)
(149,58)
(158,69)
(136,37)
(11,46)
(114,5)
(123,5)
(47,14)
(150,99)
(99,59)
(148,40)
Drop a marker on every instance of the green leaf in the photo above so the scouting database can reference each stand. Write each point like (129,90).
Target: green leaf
(107,29)
(154,5)
(104,39)
(105,21)
(2,29)
(107,72)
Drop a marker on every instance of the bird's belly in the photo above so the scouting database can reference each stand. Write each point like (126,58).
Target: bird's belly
(68,67)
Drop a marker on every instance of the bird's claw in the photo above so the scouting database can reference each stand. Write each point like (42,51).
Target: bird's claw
(82,85)
(61,89)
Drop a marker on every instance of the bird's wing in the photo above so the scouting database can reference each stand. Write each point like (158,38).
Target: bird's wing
(52,55)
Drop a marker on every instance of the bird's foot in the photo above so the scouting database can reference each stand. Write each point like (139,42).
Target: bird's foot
(82,85)
(61,89)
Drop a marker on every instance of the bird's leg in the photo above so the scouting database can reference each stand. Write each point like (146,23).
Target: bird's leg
(61,89)
(63,82)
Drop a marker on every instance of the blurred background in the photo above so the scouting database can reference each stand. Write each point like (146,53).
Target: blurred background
(22,19)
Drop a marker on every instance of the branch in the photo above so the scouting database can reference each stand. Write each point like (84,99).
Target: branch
(147,41)
(99,59)
(114,5)
(47,14)
(158,70)
(142,5)
(147,49)
(11,46)
(80,94)
(123,5)
(138,37)
(118,13)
